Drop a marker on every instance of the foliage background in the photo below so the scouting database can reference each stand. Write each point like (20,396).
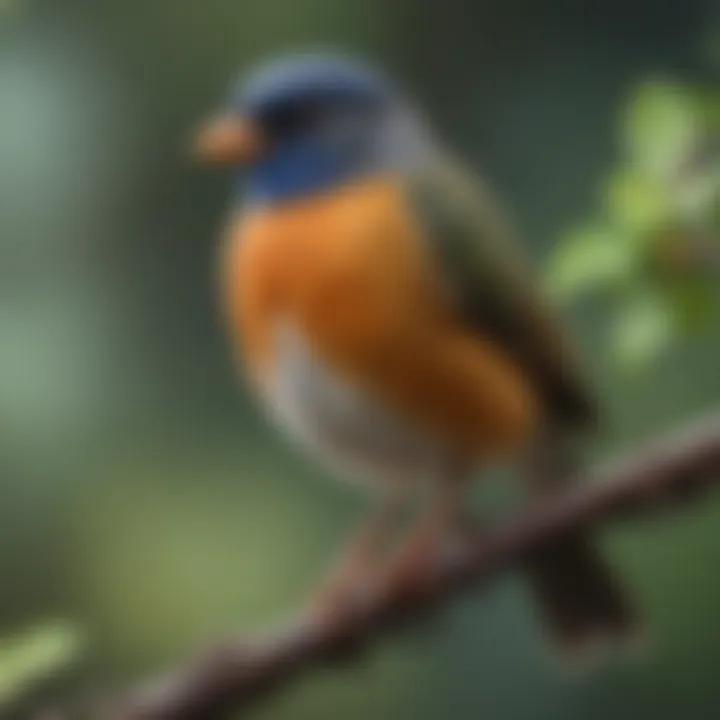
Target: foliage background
(143,500)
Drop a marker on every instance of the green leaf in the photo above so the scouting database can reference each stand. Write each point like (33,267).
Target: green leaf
(707,102)
(698,196)
(589,259)
(694,304)
(637,203)
(32,657)
(643,330)
(662,126)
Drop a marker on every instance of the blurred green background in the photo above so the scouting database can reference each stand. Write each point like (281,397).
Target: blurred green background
(143,499)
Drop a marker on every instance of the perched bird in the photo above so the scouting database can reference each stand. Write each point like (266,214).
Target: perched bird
(387,320)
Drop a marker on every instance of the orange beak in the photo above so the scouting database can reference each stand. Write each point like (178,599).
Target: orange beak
(229,141)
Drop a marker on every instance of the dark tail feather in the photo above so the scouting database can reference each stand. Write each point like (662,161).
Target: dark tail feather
(579,598)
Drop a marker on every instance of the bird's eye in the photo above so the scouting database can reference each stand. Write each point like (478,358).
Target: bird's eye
(291,119)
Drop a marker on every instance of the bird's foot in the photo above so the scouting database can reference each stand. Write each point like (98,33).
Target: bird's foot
(420,565)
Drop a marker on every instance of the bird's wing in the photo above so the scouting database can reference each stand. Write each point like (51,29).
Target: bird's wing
(492,285)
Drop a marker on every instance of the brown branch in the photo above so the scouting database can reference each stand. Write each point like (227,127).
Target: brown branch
(231,677)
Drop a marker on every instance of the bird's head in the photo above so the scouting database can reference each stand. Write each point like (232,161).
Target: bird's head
(306,123)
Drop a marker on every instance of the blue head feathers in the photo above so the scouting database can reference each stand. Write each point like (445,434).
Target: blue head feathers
(306,79)
(324,119)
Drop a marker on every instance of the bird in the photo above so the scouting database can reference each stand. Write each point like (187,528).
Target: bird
(383,312)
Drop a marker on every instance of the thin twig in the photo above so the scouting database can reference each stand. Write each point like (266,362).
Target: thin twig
(231,677)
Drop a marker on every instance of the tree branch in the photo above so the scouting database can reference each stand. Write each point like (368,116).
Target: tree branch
(243,670)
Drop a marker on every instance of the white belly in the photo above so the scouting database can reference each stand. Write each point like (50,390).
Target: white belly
(356,435)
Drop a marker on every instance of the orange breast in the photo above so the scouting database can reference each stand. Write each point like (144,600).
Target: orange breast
(351,271)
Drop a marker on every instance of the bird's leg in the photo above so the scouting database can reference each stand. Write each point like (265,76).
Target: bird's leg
(414,567)
(354,574)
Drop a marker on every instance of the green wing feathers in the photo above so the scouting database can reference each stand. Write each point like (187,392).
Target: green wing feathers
(494,289)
